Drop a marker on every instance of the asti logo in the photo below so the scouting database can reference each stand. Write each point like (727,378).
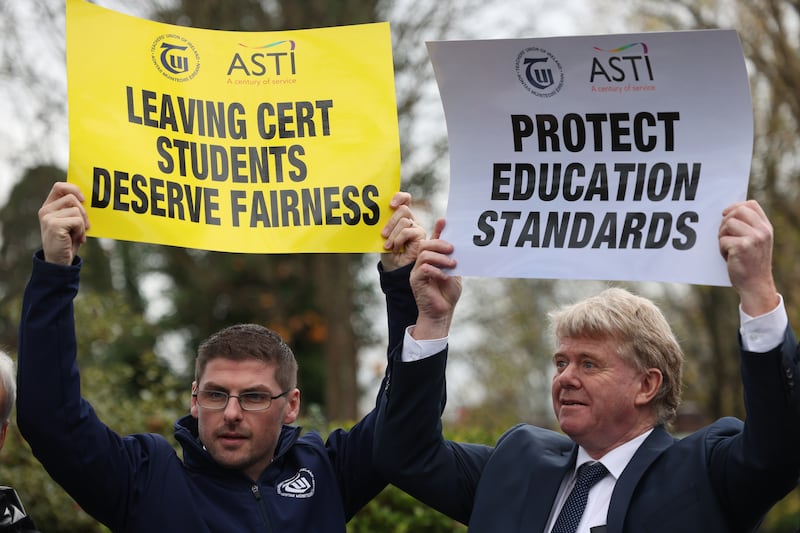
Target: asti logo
(273,59)
(539,72)
(622,64)
(175,57)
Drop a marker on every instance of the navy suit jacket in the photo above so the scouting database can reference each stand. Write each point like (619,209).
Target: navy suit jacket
(722,478)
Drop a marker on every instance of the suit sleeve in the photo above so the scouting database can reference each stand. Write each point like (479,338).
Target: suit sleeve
(401,308)
(759,466)
(410,448)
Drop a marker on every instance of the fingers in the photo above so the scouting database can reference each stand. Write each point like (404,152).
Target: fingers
(402,217)
(746,204)
(65,200)
(744,225)
(438,227)
(404,231)
(402,227)
(435,253)
(745,242)
(400,198)
(739,217)
(436,291)
(64,222)
(61,189)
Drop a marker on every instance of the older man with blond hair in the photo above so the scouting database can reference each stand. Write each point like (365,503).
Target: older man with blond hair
(614,467)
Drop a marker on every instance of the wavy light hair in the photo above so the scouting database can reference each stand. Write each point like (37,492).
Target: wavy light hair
(8,381)
(644,336)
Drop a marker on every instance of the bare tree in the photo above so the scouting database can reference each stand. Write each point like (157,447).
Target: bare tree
(769,36)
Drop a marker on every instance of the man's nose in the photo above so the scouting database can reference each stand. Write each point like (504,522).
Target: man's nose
(233,411)
(568,376)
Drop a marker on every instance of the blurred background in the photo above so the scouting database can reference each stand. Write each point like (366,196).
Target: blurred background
(143,308)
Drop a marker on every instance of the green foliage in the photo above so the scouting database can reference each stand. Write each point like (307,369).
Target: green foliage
(785,516)
(395,511)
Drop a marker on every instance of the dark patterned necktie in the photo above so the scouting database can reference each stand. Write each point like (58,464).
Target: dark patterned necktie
(570,515)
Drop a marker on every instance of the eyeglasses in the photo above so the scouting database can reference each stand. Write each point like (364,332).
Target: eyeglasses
(248,401)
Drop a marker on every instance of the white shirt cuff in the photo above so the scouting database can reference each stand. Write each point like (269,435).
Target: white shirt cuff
(414,350)
(761,334)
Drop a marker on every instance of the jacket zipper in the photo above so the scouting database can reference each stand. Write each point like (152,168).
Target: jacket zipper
(257,494)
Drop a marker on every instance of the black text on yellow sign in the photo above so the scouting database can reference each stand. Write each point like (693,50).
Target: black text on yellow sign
(248,165)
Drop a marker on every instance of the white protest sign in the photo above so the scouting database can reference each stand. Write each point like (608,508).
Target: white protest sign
(605,157)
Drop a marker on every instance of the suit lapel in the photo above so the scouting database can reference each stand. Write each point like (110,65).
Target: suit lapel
(542,488)
(653,446)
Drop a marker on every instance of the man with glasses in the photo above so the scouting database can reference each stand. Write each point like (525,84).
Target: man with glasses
(244,467)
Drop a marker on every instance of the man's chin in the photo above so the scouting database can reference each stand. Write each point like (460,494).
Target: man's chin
(228,458)
(571,426)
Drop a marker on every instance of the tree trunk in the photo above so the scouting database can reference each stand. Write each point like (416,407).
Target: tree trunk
(333,276)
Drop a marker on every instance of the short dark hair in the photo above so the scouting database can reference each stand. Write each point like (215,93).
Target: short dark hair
(249,341)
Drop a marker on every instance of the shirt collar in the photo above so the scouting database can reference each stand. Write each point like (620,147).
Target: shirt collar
(617,459)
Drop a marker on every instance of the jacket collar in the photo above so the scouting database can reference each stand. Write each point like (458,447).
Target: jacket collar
(654,445)
(554,462)
(196,457)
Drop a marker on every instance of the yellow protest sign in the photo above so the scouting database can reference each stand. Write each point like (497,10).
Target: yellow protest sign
(256,142)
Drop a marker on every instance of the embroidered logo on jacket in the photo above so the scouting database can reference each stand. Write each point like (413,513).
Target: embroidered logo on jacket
(301,485)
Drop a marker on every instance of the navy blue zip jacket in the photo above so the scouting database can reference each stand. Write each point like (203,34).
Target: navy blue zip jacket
(138,482)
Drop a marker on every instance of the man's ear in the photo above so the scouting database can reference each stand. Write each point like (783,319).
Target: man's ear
(292,407)
(650,384)
(193,408)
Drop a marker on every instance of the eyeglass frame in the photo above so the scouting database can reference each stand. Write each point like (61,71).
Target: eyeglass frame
(238,397)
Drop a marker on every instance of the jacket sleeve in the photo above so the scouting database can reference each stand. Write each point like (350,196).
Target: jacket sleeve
(409,447)
(351,451)
(759,466)
(91,462)
(401,308)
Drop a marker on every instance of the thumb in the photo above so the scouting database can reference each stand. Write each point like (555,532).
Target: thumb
(437,228)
